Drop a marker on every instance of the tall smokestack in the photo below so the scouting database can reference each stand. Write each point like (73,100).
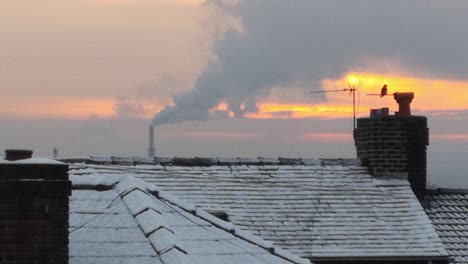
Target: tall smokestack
(151,150)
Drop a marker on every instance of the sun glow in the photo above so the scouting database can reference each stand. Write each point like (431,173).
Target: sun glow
(430,95)
(58,107)
(274,110)
(439,96)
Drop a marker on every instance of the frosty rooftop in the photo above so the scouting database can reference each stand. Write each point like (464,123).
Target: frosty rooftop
(124,222)
(323,210)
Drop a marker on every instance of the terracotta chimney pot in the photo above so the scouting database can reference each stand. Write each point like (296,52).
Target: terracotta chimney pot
(404,103)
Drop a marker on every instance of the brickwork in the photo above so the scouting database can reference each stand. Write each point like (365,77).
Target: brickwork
(394,145)
(34,208)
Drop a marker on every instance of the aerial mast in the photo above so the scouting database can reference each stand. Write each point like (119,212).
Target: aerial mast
(352,91)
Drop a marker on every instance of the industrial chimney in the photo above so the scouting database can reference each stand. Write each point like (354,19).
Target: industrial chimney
(151,150)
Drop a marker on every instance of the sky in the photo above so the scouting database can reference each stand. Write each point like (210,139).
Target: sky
(229,77)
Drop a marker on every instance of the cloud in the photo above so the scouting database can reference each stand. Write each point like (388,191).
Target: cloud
(283,43)
(148,98)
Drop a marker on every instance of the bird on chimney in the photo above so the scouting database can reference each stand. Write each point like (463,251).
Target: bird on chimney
(384,91)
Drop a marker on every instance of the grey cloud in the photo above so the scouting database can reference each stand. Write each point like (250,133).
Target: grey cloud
(286,42)
(156,92)
(129,107)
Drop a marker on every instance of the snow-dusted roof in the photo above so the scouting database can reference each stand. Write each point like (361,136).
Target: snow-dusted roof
(115,219)
(31,161)
(317,209)
(448,211)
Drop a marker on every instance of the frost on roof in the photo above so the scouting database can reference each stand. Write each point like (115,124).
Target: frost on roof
(448,211)
(314,209)
(33,161)
(128,222)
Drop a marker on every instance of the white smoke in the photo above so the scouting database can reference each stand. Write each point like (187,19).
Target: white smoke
(288,42)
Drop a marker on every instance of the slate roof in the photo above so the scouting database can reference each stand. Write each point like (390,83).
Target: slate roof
(317,209)
(448,211)
(121,219)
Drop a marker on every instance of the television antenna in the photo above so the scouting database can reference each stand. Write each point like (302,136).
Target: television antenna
(352,91)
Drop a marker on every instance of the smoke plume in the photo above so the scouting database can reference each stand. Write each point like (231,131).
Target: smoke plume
(283,43)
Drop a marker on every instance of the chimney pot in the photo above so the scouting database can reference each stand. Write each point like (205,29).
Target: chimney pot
(404,103)
(18,154)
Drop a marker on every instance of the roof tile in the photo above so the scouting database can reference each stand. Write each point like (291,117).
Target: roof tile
(128,224)
(448,211)
(334,208)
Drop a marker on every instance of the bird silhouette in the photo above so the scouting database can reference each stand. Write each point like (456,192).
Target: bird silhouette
(384,91)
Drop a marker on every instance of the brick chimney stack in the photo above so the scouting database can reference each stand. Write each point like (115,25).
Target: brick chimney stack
(34,209)
(394,145)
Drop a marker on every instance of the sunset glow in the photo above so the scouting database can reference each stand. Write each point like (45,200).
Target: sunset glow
(327,136)
(430,95)
(286,110)
(58,107)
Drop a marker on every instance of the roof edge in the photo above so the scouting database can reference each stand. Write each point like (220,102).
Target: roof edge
(385,259)
(217,161)
(447,191)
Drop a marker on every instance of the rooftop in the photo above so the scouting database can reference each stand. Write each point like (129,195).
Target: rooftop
(121,219)
(448,211)
(316,209)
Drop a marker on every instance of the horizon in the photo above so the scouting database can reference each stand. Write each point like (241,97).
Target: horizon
(225,138)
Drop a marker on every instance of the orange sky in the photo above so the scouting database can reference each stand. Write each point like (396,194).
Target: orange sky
(56,107)
(430,94)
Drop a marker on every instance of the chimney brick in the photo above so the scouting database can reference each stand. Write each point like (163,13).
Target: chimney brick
(394,145)
(34,209)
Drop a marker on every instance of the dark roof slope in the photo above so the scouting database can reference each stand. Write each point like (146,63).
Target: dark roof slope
(448,211)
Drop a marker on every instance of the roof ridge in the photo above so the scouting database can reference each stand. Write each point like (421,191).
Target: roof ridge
(137,198)
(216,161)
(149,219)
(231,228)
